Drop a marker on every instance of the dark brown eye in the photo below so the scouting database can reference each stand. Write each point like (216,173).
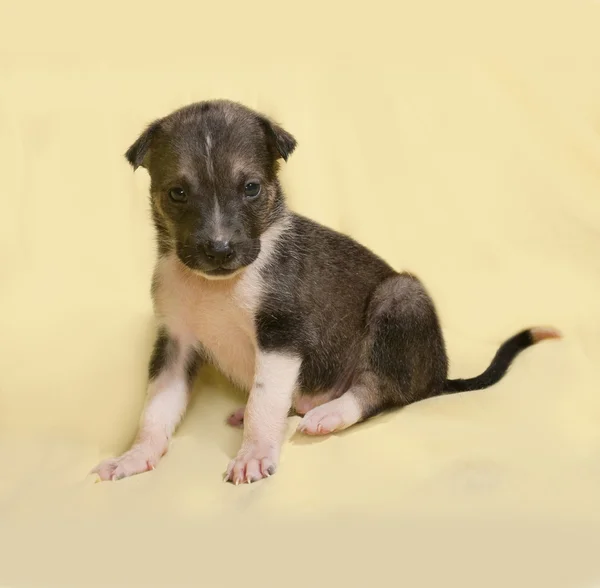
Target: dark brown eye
(252,190)
(177,195)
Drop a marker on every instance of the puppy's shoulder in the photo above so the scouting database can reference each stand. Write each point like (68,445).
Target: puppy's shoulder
(322,243)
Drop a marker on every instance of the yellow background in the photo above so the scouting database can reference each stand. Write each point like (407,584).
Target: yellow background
(459,140)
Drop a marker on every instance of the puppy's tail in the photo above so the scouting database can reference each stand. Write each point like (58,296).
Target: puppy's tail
(503,359)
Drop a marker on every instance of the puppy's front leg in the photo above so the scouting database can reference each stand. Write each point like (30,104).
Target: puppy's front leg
(172,368)
(265,417)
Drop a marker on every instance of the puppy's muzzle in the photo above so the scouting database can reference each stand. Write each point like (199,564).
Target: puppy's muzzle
(218,252)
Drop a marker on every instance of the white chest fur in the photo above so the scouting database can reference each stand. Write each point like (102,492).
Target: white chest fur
(219,315)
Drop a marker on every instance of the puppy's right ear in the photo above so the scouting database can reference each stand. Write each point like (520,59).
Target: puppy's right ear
(137,154)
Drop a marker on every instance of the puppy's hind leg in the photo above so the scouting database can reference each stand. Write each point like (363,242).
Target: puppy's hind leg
(404,359)
(172,368)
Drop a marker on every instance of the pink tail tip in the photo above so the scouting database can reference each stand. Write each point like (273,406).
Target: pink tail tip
(540,333)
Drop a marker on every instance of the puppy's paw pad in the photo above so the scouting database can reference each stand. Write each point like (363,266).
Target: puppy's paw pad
(321,421)
(251,466)
(129,464)
(236,419)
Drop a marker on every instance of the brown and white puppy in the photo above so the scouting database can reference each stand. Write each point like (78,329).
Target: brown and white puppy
(302,317)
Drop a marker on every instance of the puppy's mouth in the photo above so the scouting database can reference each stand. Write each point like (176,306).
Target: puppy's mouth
(219,273)
(214,272)
(211,272)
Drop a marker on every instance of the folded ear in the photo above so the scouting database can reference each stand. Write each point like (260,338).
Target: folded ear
(136,155)
(281,141)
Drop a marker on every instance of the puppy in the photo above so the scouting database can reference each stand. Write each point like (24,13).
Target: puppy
(304,318)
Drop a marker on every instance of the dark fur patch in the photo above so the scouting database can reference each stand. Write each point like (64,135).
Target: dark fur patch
(165,352)
(319,285)
(192,365)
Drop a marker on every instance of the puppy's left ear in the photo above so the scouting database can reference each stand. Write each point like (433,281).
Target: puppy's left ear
(137,154)
(282,143)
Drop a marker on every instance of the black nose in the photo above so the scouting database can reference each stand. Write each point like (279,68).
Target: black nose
(219,251)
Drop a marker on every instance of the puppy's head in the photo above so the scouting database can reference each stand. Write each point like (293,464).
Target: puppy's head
(214,188)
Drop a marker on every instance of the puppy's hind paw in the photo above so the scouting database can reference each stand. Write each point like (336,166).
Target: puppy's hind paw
(332,416)
(236,419)
(319,423)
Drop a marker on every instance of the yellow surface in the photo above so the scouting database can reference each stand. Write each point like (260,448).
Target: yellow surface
(459,140)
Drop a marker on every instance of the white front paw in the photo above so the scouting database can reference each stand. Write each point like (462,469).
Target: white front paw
(135,461)
(252,464)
